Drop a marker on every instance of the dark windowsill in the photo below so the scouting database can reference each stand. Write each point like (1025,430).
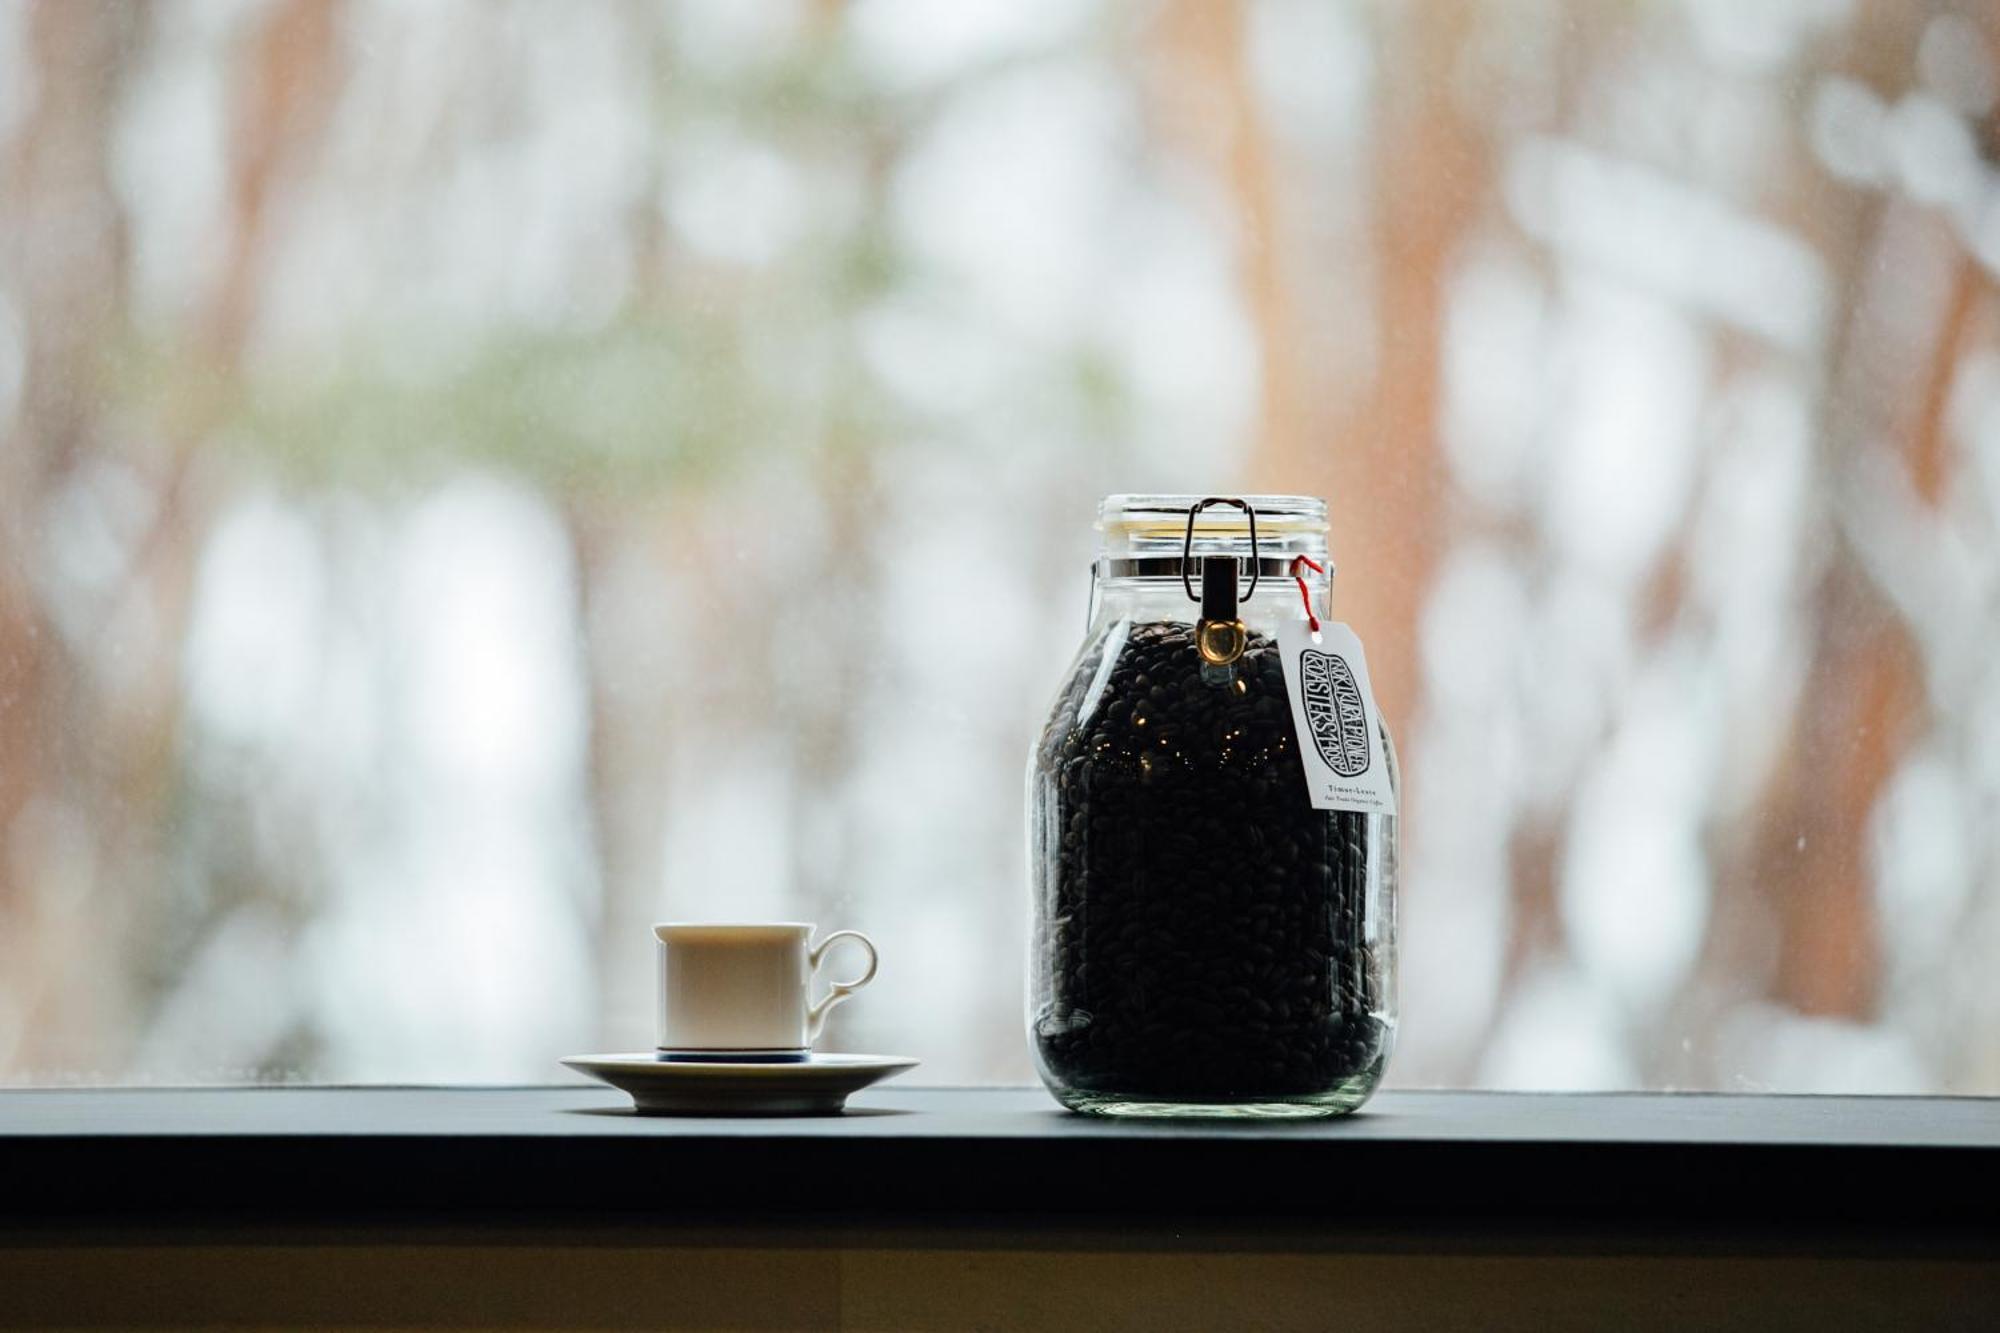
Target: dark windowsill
(908,1157)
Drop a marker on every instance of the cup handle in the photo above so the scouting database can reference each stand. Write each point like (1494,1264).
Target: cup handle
(816,1015)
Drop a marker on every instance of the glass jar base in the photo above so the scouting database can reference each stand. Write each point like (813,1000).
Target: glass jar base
(1337,1101)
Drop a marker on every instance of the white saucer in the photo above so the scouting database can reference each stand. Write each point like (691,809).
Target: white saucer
(818,1085)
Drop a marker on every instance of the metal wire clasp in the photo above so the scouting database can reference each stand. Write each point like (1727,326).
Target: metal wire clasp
(1220,636)
(1187,543)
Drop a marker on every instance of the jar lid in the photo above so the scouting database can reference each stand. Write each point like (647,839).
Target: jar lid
(1141,515)
(1144,535)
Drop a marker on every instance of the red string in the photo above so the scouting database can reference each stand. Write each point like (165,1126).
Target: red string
(1304,595)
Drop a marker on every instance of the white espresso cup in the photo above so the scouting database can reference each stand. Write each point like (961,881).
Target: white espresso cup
(741,990)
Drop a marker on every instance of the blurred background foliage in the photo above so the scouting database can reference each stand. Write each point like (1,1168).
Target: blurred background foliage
(478,478)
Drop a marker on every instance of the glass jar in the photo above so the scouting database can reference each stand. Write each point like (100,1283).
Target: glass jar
(1204,940)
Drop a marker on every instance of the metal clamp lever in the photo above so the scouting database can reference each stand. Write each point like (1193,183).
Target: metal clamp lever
(1220,636)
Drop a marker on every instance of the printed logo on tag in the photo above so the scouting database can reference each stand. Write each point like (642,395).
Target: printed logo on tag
(1333,710)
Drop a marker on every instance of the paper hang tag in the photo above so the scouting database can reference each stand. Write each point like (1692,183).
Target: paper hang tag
(1333,710)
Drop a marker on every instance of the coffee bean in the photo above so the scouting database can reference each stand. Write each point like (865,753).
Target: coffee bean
(1201,929)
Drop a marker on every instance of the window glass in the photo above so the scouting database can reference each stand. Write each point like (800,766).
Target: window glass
(478,479)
